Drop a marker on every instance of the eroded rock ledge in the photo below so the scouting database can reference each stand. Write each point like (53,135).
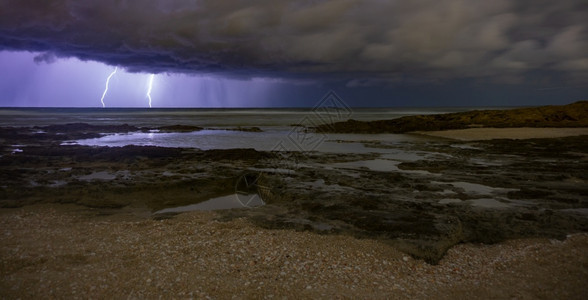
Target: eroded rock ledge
(571,115)
(526,188)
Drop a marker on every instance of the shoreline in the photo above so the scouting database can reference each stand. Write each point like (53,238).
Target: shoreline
(419,197)
(398,220)
(193,255)
(517,133)
(562,116)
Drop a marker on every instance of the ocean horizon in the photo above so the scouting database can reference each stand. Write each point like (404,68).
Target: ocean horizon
(41,116)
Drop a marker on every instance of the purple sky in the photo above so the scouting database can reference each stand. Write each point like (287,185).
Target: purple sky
(289,53)
(71,82)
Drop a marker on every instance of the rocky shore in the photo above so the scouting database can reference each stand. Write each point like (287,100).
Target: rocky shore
(436,218)
(479,134)
(441,194)
(571,115)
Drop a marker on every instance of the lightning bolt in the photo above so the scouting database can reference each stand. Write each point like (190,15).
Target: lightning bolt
(150,88)
(106,89)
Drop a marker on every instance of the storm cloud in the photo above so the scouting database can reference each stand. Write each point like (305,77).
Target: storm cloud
(366,42)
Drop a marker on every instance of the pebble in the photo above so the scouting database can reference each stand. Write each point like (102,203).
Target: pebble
(182,262)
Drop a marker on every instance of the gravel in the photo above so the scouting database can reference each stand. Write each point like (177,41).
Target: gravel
(54,251)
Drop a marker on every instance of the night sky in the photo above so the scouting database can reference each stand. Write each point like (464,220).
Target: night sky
(267,53)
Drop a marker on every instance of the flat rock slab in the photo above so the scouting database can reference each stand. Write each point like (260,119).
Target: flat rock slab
(480,134)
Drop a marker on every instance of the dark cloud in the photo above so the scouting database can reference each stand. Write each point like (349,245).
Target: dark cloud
(47,57)
(367,42)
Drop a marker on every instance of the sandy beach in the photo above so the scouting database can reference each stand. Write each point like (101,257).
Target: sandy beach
(480,134)
(53,251)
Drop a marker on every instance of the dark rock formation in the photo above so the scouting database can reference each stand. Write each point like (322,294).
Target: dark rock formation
(179,128)
(83,127)
(571,115)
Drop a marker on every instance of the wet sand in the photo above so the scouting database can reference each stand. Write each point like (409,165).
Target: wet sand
(482,134)
(54,251)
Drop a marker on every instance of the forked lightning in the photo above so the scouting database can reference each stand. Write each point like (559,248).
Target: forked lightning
(106,89)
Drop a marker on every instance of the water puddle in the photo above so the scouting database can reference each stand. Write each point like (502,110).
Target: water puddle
(402,155)
(484,162)
(465,147)
(488,203)
(17,149)
(449,200)
(447,192)
(273,170)
(207,139)
(474,188)
(57,183)
(379,165)
(103,175)
(219,203)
